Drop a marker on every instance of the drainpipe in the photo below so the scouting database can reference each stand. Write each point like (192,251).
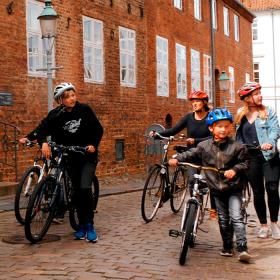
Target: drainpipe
(274,63)
(213,53)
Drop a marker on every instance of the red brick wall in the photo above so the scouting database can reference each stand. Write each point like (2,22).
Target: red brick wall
(124,112)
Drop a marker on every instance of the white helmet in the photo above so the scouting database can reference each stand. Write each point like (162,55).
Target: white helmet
(59,89)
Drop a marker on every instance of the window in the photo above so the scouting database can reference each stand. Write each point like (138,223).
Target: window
(178,4)
(93,50)
(226,21)
(181,71)
(255,30)
(197,9)
(162,67)
(256,72)
(247,78)
(195,70)
(236,28)
(207,76)
(214,14)
(231,85)
(35,45)
(127,57)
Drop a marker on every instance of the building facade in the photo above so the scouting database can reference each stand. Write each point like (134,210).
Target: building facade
(133,61)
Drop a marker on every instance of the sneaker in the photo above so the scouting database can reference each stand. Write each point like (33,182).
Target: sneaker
(263,232)
(58,221)
(80,233)
(226,253)
(244,256)
(275,231)
(91,235)
(213,214)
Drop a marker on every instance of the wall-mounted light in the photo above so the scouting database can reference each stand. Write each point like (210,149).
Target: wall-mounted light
(68,22)
(112,34)
(111,3)
(129,8)
(141,9)
(9,8)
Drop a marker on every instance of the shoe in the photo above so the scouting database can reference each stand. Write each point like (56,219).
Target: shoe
(58,221)
(213,214)
(226,253)
(91,235)
(263,232)
(80,233)
(244,256)
(275,231)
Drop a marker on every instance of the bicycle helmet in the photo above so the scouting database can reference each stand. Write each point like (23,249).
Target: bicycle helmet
(59,89)
(247,89)
(218,115)
(198,94)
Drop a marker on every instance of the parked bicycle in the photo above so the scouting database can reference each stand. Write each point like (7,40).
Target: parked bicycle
(53,192)
(159,188)
(29,179)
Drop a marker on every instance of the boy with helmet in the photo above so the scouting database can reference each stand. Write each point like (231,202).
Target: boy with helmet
(257,125)
(74,123)
(224,153)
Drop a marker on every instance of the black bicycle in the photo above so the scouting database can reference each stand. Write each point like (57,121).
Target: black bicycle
(29,179)
(159,188)
(53,193)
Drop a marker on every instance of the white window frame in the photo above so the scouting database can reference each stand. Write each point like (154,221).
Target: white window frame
(162,66)
(236,28)
(231,85)
(247,77)
(226,20)
(255,33)
(207,74)
(197,9)
(38,54)
(214,14)
(256,71)
(195,70)
(127,44)
(94,67)
(181,71)
(178,4)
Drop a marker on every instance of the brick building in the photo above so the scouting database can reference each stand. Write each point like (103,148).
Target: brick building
(133,61)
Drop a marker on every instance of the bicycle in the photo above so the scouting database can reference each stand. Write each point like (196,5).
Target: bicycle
(158,187)
(29,179)
(194,211)
(52,192)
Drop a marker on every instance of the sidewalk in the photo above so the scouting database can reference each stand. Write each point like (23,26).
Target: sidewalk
(107,186)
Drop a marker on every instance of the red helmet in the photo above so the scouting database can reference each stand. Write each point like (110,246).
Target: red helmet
(198,95)
(247,89)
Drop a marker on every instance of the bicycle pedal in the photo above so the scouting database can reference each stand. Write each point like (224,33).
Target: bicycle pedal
(174,233)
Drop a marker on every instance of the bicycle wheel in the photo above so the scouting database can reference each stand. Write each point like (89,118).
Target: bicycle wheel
(41,209)
(152,194)
(24,191)
(178,189)
(187,232)
(73,217)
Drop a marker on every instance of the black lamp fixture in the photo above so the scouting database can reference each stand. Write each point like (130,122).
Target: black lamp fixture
(9,8)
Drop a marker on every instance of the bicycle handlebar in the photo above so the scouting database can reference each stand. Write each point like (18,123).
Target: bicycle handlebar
(76,149)
(169,138)
(200,167)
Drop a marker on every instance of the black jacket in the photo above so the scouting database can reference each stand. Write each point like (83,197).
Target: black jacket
(224,156)
(79,127)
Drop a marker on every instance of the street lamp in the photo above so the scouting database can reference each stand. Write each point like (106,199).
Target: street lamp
(48,24)
(224,85)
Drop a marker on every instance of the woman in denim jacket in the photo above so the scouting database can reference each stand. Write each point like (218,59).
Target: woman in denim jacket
(257,125)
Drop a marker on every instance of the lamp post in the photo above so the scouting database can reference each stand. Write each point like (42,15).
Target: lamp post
(224,85)
(48,24)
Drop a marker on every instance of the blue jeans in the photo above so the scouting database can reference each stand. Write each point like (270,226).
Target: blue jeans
(231,220)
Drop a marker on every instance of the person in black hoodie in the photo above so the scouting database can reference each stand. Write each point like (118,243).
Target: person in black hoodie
(74,123)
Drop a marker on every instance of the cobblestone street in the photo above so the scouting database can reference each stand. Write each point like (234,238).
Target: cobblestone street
(130,249)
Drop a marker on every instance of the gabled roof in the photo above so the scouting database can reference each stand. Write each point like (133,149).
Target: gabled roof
(261,5)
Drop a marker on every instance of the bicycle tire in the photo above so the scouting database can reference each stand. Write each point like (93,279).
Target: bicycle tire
(152,194)
(41,209)
(24,191)
(187,232)
(179,188)
(73,217)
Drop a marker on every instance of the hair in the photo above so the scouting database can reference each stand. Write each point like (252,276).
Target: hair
(245,109)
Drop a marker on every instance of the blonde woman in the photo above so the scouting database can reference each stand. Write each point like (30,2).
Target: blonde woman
(257,125)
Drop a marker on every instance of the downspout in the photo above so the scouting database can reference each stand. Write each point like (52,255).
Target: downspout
(274,63)
(213,53)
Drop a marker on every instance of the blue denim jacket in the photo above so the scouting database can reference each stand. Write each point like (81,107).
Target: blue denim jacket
(268,131)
